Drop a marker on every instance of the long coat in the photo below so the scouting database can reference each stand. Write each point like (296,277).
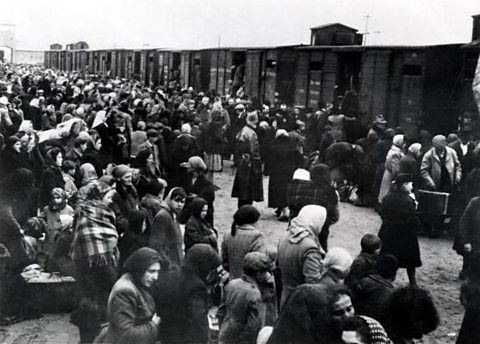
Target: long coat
(470,331)
(399,229)
(285,159)
(130,311)
(430,169)
(392,166)
(247,185)
(166,236)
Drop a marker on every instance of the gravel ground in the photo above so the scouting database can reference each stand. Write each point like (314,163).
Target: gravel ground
(439,272)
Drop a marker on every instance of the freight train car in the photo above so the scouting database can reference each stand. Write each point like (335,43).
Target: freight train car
(270,74)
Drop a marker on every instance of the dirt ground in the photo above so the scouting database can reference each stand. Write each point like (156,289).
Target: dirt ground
(439,272)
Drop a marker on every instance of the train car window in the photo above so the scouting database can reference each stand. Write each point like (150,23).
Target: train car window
(412,70)
(271,64)
(196,61)
(150,58)
(316,65)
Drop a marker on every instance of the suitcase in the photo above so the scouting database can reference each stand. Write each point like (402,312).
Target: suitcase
(434,203)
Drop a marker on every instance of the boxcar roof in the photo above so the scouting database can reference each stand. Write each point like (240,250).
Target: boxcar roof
(324,26)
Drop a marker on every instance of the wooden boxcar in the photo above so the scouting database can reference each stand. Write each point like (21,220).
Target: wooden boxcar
(270,74)
(469,111)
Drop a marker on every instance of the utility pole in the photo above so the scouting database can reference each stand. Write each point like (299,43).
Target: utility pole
(366,28)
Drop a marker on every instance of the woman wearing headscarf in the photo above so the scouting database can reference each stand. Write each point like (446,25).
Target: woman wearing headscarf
(214,144)
(87,176)
(166,235)
(400,225)
(197,229)
(95,254)
(337,264)
(147,171)
(410,163)
(299,251)
(132,315)
(182,297)
(285,159)
(52,175)
(136,235)
(244,237)
(325,195)
(184,147)
(198,186)
(392,164)
(92,154)
(125,198)
(12,157)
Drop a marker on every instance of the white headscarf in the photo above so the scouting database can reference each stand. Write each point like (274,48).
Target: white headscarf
(100,118)
(338,259)
(301,174)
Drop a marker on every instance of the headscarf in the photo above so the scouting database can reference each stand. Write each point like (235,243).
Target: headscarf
(201,259)
(139,261)
(398,140)
(100,118)
(301,174)
(87,173)
(186,128)
(256,261)
(320,174)
(120,170)
(377,332)
(196,206)
(309,222)
(281,132)
(196,163)
(98,190)
(415,149)
(338,259)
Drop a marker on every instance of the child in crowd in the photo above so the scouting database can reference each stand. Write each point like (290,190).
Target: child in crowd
(365,263)
(60,260)
(68,173)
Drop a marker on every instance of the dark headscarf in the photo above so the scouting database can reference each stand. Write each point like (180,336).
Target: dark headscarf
(320,174)
(201,259)
(247,214)
(141,158)
(196,206)
(139,261)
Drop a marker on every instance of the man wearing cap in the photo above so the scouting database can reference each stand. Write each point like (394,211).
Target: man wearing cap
(244,306)
(441,171)
(440,168)
(247,186)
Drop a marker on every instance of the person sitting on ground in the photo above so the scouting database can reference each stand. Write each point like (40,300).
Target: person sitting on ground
(132,315)
(244,306)
(374,289)
(197,229)
(365,263)
(337,264)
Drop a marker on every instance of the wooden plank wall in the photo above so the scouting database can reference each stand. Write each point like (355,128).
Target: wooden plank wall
(253,75)
(412,90)
(375,83)
(302,78)
(185,69)
(270,76)
(222,70)
(213,84)
(315,83)
(286,66)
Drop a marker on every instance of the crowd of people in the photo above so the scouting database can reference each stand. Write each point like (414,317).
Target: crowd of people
(113,182)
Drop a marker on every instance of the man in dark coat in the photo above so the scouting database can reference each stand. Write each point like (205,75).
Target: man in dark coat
(247,186)
(182,300)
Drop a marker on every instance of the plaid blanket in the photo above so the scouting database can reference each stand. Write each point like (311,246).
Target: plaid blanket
(95,237)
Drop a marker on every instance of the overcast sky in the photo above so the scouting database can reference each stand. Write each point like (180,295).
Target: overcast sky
(194,24)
